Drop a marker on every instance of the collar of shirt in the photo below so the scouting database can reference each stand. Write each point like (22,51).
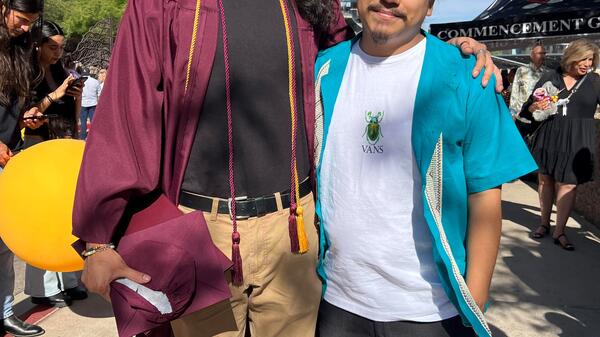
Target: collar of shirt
(533,68)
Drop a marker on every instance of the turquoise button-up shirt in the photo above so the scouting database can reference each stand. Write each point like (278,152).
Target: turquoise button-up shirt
(464,142)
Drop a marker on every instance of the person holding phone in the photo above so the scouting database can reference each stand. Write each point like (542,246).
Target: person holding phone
(58,95)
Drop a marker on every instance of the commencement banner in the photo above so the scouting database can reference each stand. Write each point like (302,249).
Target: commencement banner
(540,25)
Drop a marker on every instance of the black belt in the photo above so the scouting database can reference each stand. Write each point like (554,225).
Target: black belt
(244,207)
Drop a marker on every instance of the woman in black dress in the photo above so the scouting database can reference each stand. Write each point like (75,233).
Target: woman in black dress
(565,143)
(53,92)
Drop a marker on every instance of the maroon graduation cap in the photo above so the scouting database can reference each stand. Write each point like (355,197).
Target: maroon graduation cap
(187,270)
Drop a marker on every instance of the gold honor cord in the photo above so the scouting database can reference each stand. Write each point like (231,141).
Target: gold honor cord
(193,44)
(299,230)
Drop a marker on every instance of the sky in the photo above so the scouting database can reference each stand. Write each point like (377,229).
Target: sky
(445,11)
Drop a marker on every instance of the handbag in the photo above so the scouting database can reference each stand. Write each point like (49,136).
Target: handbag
(531,137)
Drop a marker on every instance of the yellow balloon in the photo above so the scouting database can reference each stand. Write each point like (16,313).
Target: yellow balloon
(37,192)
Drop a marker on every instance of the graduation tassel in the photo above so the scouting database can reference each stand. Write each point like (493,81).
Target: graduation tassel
(302,239)
(297,231)
(236,258)
(293,230)
(298,212)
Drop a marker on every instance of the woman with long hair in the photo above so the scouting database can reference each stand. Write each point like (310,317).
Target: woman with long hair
(565,143)
(15,71)
(56,93)
(60,100)
(15,42)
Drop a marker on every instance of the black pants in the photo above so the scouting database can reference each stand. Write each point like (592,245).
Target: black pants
(336,322)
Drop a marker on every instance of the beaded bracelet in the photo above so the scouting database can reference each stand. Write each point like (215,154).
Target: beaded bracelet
(91,251)
(50,99)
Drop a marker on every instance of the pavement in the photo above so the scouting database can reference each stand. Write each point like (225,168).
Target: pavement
(538,290)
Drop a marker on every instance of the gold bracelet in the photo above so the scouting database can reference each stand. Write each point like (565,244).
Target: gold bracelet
(97,249)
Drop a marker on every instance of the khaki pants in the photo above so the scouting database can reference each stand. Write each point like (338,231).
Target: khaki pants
(281,292)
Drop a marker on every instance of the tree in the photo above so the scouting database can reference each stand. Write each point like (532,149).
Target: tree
(76,17)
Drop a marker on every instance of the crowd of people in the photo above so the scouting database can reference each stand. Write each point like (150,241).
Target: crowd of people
(563,140)
(292,164)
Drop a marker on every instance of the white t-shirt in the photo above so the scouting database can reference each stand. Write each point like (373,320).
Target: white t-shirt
(91,91)
(380,264)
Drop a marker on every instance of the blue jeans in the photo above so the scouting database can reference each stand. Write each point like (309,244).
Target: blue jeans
(86,112)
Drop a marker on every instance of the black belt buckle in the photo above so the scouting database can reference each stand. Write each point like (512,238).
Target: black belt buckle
(238,217)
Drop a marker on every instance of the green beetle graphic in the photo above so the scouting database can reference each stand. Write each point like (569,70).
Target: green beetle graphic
(373,128)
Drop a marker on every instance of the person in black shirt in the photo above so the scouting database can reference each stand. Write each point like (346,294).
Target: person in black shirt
(55,93)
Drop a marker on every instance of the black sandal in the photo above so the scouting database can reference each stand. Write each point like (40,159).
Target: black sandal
(541,231)
(564,244)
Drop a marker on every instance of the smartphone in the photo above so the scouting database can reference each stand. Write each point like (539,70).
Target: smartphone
(35,117)
(74,73)
(78,82)
(40,117)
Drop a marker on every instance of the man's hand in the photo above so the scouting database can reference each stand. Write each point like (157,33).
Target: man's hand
(33,123)
(5,154)
(104,267)
(469,46)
